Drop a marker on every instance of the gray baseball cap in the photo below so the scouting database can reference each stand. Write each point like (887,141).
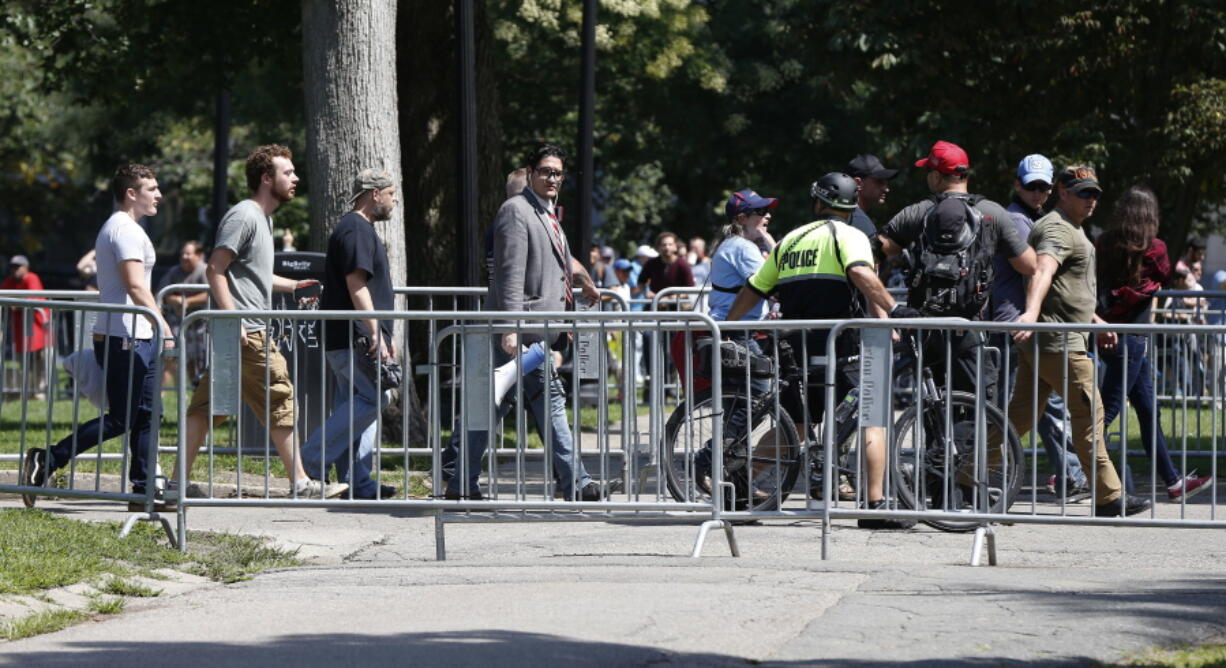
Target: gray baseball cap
(370,178)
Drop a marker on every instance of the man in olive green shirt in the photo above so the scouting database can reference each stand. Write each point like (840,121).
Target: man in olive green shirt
(1063,290)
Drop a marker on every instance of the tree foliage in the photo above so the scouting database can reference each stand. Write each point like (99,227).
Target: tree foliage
(695,99)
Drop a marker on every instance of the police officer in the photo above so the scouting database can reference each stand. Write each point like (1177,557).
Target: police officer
(816,272)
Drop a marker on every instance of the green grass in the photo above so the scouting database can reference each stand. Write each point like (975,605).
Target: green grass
(42,622)
(1212,655)
(232,557)
(117,586)
(1200,427)
(41,551)
(108,606)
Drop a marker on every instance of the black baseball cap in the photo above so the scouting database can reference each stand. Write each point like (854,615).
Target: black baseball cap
(868,166)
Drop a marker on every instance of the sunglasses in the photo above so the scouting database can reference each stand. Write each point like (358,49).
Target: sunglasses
(764,211)
(1037,186)
(1089,194)
(551,174)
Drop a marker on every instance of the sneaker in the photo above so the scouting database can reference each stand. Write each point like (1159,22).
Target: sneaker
(453,495)
(160,503)
(194,491)
(1188,486)
(883,523)
(846,491)
(385,493)
(597,490)
(314,489)
(33,473)
(1075,491)
(1132,506)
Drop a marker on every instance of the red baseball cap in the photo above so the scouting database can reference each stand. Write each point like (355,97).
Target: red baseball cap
(946,158)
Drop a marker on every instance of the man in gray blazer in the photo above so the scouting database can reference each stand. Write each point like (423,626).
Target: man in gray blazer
(532,271)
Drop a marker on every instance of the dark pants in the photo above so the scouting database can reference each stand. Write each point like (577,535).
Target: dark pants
(963,348)
(130,393)
(1133,381)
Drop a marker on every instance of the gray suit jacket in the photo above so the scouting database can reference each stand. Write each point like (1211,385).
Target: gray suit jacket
(529,273)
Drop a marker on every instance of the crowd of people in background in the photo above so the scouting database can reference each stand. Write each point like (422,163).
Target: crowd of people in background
(1031,261)
(1043,268)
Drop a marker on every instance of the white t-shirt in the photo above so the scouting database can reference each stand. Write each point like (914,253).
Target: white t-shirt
(120,240)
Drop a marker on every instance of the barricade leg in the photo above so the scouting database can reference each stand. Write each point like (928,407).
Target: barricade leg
(983,534)
(150,517)
(440,544)
(702,537)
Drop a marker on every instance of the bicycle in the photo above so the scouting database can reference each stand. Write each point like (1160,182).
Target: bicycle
(768,471)
(765,473)
(947,470)
(933,460)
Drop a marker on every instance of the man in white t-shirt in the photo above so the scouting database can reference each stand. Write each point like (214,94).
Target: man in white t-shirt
(125,345)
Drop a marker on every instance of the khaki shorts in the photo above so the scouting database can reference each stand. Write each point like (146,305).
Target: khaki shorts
(255,360)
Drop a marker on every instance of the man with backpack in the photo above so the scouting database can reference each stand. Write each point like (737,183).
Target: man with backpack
(952,236)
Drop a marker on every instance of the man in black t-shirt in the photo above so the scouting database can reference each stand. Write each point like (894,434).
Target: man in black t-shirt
(356,278)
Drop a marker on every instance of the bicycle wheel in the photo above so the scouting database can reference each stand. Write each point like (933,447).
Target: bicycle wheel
(940,473)
(766,475)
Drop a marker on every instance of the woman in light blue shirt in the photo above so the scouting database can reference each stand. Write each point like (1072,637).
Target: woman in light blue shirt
(742,251)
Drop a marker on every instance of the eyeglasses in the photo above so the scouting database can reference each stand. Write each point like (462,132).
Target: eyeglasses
(764,211)
(1089,194)
(1037,186)
(550,174)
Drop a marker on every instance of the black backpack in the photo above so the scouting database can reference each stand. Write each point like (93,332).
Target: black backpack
(952,271)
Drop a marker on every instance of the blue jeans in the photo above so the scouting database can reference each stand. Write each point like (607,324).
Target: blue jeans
(344,443)
(1133,381)
(130,393)
(1053,428)
(568,469)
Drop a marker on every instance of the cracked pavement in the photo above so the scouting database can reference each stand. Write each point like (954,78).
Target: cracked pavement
(622,594)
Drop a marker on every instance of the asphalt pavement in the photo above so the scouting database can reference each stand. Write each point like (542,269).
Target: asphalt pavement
(627,594)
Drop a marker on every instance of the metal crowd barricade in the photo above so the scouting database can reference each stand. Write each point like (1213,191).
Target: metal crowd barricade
(192,343)
(770,427)
(986,471)
(520,495)
(85,471)
(1184,361)
(954,459)
(446,300)
(34,371)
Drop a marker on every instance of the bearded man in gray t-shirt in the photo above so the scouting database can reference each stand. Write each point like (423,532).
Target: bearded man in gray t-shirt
(240,277)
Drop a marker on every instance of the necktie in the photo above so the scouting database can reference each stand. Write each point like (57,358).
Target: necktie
(559,244)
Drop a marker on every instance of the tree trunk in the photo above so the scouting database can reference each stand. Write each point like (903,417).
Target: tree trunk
(349,63)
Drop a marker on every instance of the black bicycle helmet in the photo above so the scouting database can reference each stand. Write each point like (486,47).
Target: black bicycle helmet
(837,190)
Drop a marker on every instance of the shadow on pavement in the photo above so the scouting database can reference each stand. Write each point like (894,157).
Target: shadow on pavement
(506,649)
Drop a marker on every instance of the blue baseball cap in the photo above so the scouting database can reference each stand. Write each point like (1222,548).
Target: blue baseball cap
(746,200)
(1035,167)
(621,263)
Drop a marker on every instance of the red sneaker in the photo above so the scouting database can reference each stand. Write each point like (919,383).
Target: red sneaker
(1188,486)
